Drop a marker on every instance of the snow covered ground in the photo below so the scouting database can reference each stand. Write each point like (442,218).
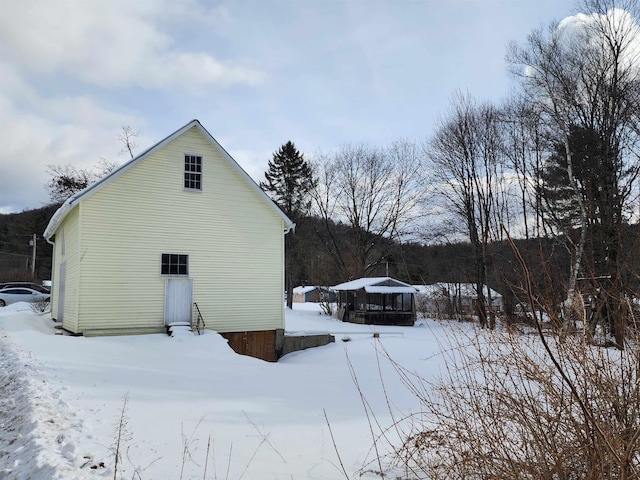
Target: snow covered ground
(62,398)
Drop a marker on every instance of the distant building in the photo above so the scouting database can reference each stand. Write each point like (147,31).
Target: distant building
(313,294)
(444,300)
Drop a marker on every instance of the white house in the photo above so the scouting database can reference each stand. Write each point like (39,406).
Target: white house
(181,224)
(446,299)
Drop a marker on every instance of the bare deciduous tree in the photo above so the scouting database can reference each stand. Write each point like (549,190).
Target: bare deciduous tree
(376,191)
(525,147)
(127,137)
(67,180)
(466,158)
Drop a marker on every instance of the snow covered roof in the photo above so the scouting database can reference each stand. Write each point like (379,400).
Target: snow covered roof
(60,214)
(370,281)
(304,289)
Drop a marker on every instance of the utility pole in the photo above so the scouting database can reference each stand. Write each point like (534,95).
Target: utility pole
(33,256)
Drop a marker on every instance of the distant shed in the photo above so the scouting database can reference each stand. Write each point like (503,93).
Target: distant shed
(315,294)
(376,301)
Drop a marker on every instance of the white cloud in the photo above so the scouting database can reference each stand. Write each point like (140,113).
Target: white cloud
(200,70)
(37,131)
(55,54)
(115,44)
(617,21)
(190,12)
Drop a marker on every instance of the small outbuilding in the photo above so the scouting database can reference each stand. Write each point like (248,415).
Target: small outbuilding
(376,301)
(313,294)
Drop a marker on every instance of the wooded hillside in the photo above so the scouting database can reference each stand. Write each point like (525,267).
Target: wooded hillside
(314,262)
(16,233)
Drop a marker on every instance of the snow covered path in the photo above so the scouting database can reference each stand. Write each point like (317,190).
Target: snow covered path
(38,429)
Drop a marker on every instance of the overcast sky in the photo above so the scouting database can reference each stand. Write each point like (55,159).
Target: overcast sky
(321,73)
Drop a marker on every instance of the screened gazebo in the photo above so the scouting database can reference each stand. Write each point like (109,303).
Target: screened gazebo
(376,301)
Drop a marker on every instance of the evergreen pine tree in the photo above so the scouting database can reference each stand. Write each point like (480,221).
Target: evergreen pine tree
(593,173)
(289,180)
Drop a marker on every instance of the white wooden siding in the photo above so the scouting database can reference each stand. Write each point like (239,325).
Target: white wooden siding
(234,240)
(69,254)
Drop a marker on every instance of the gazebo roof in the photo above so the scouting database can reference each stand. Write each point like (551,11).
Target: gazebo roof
(377,285)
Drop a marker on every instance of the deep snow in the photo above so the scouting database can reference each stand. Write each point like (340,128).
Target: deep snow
(62,397)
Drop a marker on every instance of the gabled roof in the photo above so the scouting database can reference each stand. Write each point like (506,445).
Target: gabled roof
(59,216)
(371,282)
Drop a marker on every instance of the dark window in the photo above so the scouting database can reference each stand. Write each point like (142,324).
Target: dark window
(173,264)
(193,172)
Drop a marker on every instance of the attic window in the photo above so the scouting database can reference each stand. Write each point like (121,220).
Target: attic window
(173,264)
(193,172)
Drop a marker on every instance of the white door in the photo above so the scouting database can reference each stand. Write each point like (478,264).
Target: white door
(61,286)
(178,300)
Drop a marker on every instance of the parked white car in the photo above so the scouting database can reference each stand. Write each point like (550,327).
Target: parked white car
(31,285)
(21,294)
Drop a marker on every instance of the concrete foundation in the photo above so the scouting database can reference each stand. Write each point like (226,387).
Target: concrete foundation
(293,343)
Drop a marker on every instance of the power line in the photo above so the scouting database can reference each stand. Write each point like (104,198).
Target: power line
(14,254)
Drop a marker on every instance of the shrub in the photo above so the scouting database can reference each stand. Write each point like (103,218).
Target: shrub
(41,306)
